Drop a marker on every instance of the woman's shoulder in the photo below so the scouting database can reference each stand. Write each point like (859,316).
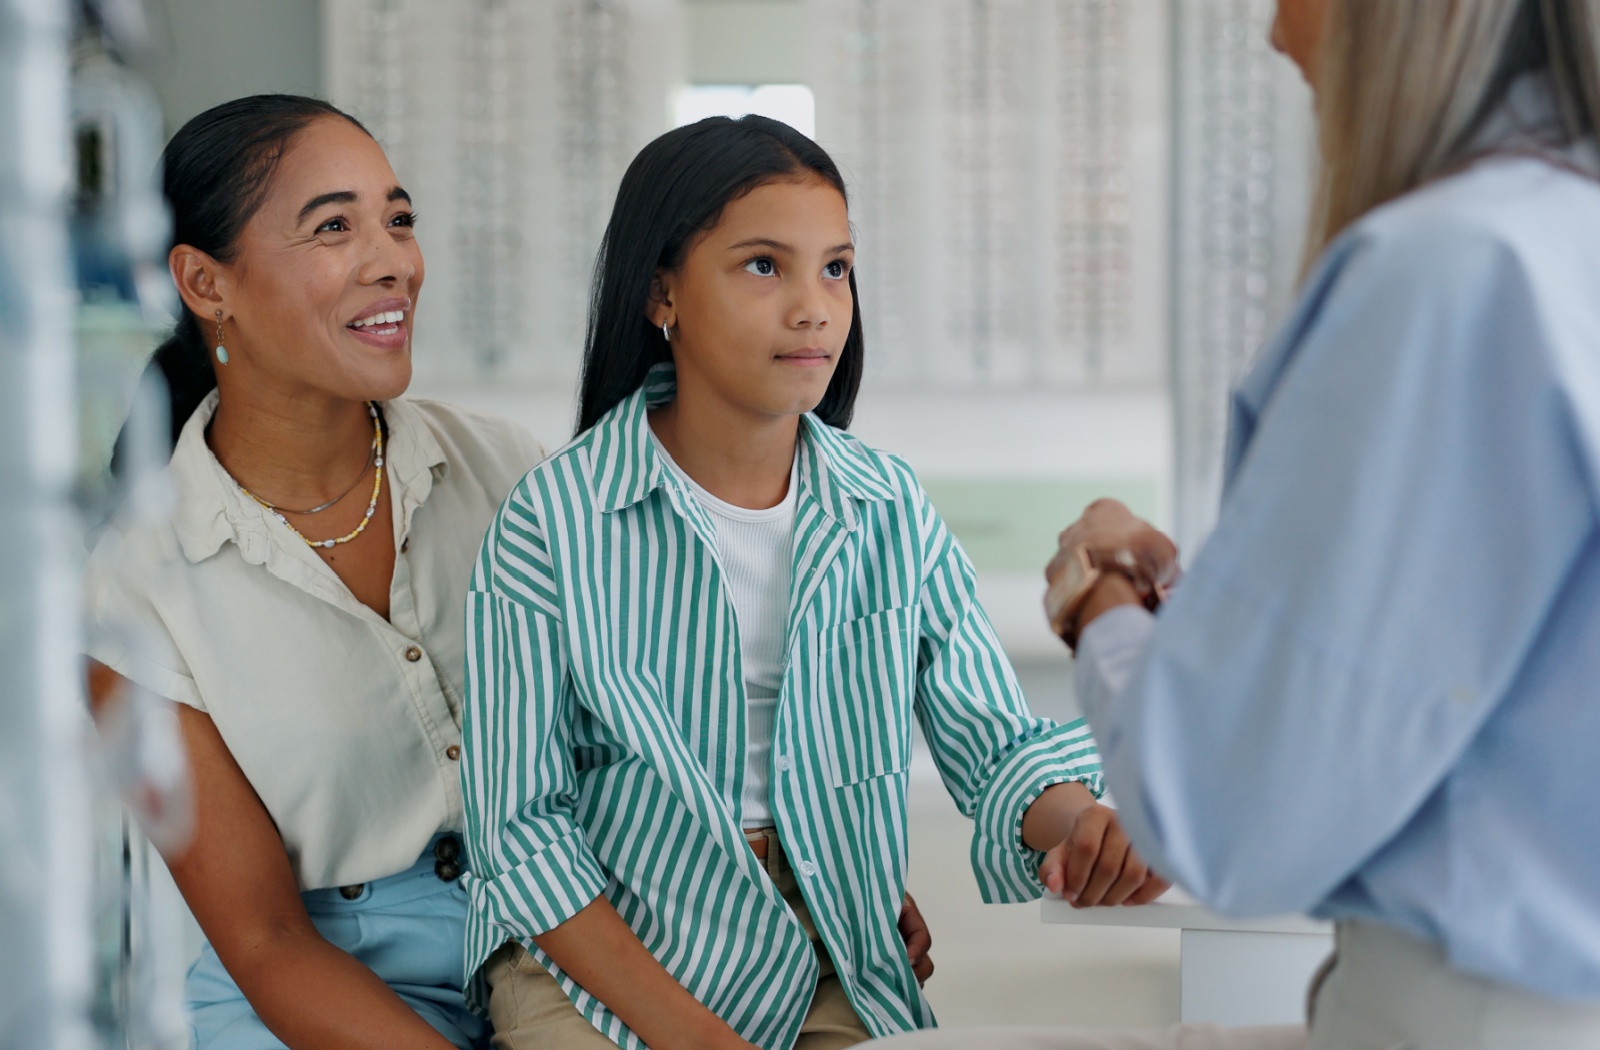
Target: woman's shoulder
(133,577)
(139,533)
(492,448)
(1466,282)
(1519,212)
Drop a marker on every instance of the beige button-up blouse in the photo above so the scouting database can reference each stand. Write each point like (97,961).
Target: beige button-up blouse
(347,725)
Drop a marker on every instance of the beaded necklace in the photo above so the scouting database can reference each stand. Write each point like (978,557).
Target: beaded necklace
(372,504)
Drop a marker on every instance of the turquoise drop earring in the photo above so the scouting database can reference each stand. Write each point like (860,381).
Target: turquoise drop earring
(222,351)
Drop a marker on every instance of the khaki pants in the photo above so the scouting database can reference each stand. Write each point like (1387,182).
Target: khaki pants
(529,1011)
(1389,991)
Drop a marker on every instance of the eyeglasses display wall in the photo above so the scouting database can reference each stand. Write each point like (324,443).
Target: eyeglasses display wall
(1243,142)
(1009,221)
(1049,195)
(510,123)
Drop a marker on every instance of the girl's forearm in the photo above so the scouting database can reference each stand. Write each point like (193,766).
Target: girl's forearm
(603,954)
(314,996)
(1049,820)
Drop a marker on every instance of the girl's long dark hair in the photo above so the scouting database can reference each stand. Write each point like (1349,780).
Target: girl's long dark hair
(215,174)
(675,189)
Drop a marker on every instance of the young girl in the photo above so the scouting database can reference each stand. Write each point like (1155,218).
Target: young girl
(698,636)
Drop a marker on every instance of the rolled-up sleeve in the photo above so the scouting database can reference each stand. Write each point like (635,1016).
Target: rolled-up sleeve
(532,868)
(996,758)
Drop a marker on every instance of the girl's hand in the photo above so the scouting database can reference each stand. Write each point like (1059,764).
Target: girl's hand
(919,940)
(1096,865)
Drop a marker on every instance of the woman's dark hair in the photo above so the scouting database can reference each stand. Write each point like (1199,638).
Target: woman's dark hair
(676,189)
(215,174)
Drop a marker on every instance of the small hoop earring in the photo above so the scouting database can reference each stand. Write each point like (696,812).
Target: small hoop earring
(222,351)
(666,332)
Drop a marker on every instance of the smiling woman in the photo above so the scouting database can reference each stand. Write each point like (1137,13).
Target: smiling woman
(310,640)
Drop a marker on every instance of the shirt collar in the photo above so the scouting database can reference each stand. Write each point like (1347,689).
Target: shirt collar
(834,466)
(211,509)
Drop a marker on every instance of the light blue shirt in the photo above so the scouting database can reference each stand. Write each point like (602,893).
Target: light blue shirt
(1376,694)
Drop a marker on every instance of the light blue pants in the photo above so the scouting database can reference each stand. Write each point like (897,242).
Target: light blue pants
(408,928)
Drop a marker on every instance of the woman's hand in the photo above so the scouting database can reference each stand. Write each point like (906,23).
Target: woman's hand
(1096,864)
(919,940)
(1141,564)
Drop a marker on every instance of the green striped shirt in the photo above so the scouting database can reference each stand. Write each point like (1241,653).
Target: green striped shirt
(604,726)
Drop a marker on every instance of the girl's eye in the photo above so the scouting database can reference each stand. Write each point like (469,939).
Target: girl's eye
(334,226)
(405,218)
(762,267)
(837,270)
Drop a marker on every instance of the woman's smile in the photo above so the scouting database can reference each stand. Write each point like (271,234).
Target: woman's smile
(384,325)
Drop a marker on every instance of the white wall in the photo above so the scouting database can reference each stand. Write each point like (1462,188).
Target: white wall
(223,49)
(748,41)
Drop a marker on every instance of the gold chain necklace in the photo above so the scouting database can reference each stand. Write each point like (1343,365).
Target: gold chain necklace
(319,508)
(372,504)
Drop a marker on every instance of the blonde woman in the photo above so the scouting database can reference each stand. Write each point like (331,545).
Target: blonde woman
(1373,696)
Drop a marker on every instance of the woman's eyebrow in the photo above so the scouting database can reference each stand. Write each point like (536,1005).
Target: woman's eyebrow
(344,197)
(336,197)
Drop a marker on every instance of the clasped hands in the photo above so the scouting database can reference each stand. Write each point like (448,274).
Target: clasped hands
(1108,557)
(1092,863)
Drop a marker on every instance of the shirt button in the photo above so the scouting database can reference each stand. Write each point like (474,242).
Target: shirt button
(453,752)
(807,868)
(413,653)
(784,765)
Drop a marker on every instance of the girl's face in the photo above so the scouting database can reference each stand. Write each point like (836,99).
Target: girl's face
(322,271)
(761,307)
(1297,32)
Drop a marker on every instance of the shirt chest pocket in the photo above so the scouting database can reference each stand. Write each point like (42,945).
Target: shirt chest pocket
(868,681)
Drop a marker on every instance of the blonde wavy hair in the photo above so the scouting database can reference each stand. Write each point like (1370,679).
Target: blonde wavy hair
(1404,86)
